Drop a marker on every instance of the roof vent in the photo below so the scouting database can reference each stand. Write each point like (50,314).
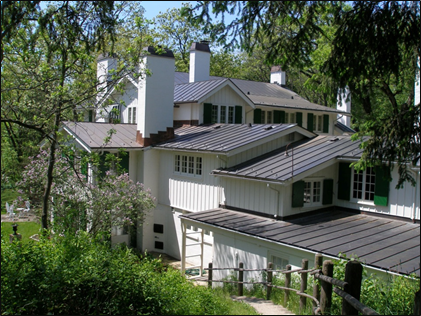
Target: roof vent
(333,139)
(268,128)
(216,127)
(249,125)
(292,97)
(248,92)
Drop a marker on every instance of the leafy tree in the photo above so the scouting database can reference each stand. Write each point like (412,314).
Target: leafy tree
(373,51)
(46,68)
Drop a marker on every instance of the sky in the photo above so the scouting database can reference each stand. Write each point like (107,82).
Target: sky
(154,7)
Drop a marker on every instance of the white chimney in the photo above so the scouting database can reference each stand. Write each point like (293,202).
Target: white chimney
(105,64)
(277,75)
(344,104)
(156,97)
(199,61)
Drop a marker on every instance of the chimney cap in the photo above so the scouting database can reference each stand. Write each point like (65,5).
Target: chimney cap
(106,55)
(153,51)
(276,69)
(203,46)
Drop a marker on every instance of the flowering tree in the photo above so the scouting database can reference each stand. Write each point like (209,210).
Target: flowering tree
(115,201)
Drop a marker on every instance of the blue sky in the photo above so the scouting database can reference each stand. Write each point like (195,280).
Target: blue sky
(154,7)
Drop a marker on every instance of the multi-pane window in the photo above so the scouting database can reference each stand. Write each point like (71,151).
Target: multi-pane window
(290,118)
(267,117)
(318,123)
(364,184)
(312,192)
(129,120)
(131,115)
(223,114)
(189,165)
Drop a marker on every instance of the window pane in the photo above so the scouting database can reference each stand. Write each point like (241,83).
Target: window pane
(184,164)
(191,165)
(214,117)
(269,117)
(316,191)
(134,118)
(292,117)
(177,163)
(129,120)
(223,114)
(199,165)
(230,115)
(307,192)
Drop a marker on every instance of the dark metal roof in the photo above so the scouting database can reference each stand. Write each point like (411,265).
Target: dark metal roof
(260,93)
(221,138)
(382,243)
(92,134)
(344,128)
(305,155)
(193,92)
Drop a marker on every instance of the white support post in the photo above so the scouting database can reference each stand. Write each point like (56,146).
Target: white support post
(183,247)
(201,251)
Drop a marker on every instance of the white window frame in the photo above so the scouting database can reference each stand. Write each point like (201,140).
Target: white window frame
(313,192)
(188,165)
(267,117)
(290,117)
(318,123)
(224,114)
(363,185)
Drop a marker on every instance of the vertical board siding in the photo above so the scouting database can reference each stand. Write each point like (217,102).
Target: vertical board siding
(226,96)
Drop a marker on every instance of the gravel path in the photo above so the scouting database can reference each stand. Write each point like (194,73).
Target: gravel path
(263,307)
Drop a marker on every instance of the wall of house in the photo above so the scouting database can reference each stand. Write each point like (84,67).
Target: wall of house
(326,173)
(404,202)
(251,195)
(186,111)
(188,192)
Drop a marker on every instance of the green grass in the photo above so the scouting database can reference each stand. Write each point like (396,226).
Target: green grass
(26,229)
(8,195)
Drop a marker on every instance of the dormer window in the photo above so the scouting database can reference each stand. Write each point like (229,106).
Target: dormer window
(290,118)
(131,115)
(225,114)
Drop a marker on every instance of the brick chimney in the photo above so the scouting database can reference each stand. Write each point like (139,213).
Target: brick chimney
(199,61)
(156,97)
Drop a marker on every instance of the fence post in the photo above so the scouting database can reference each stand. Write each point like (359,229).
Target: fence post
(326,289)
(318,261)
(287,284)
(417,303)
(210,275)
(269,281)
(303,287)
(240,279)
(353,276)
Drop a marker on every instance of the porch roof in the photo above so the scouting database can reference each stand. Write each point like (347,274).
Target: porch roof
(383,243)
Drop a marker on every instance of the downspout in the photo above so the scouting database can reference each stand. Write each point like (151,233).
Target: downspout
(219,180)
(277,203)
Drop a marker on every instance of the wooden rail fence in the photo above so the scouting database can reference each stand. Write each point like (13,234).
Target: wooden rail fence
(349,289)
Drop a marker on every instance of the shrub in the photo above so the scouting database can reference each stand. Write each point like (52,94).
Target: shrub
(77,275)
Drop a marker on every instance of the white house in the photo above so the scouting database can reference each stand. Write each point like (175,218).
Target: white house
(250,171)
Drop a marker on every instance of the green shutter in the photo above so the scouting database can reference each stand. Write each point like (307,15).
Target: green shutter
(238,114)
(325,123)
(381,190)
(327,191)
(207,113)
(299,117)
(257,116)
(90,116)
(344,181)
(278,117)
(84,166)
(124,162)
(298,194)
(310,125)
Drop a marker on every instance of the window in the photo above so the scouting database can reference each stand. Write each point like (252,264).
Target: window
(279,263)
(134,117)
(129,120)
(312,193)
(188,165)
(318,123)
(267,117)
(363,186)
(223,114)
(290,118)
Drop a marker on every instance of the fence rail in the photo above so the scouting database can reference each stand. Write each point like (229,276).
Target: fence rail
(349,289)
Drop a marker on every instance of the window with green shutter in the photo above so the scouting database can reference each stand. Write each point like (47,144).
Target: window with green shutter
(381,191)
(298,194)
(124,162)
(310,125)
(327,191)
(278,117)
(325,123)
(299,118)
(344,181)
(207,113)
(238,114)
(257,117)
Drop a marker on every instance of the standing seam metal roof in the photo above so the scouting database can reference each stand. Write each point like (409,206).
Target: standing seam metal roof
(305,155)
(383,243)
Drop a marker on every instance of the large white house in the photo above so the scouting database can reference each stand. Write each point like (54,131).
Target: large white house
(250,172)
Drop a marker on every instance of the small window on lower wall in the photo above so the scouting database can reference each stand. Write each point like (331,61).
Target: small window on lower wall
(158,228)
(279,263)
(159,245)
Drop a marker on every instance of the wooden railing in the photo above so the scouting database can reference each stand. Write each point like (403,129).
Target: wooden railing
(349,289)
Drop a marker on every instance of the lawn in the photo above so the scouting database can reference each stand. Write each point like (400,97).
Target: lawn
(26,229)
